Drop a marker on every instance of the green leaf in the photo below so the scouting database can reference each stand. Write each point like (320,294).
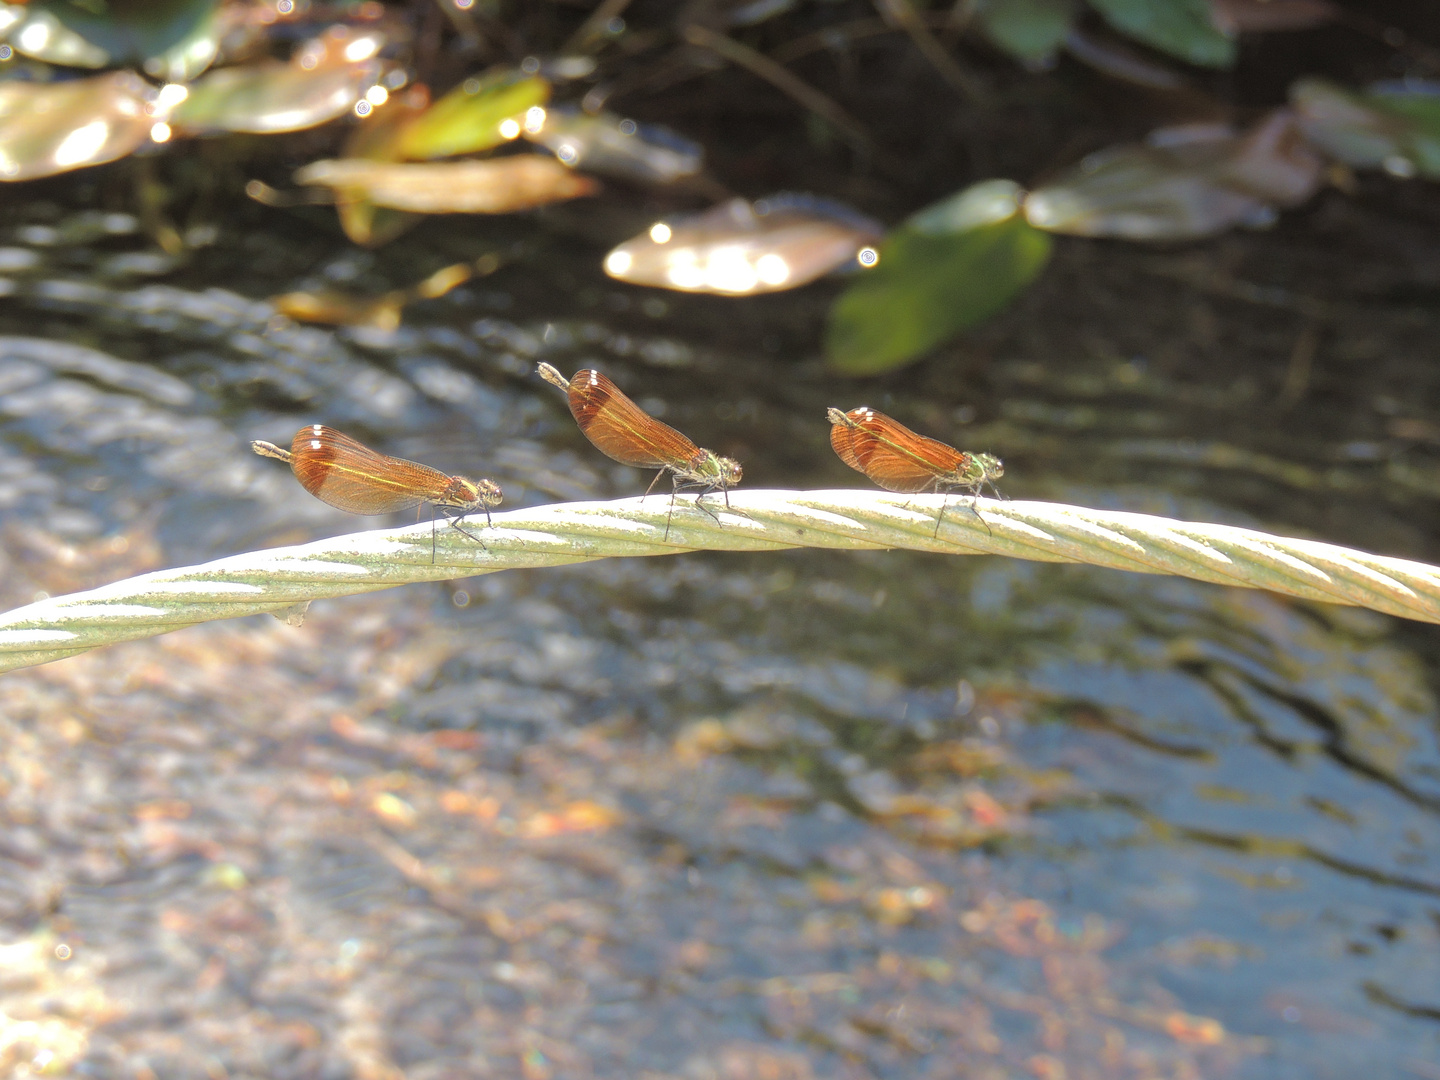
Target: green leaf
(469,118)
(172,39)
(1029,30)
(39,35)
(1182,28)
(1421,109)
(1395,127)
(947,268)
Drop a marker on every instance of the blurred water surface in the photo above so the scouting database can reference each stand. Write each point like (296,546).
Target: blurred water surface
(795,815)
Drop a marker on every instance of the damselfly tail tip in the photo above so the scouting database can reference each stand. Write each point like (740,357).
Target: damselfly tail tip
(553,376)
(269,449)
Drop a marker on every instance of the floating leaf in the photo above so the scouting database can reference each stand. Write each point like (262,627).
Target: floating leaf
(478,114)
(324,80)
(1419,103)
(48,128)
(171,39)
(1259,16)
(1182,183)
(611,146)
(379,312)
(1394,127)
(736,249)
(497,186)
(1182,28)
(1106,54)
(38,33)
(190,57)
(949,267)
(267,98)
(1029,30)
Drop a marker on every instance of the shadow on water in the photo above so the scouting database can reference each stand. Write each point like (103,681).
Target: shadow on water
(877,814)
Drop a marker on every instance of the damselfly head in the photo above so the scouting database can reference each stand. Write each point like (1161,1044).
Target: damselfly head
(728,469)
(985,468)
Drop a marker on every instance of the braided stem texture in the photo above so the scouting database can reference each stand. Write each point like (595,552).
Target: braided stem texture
(281,580)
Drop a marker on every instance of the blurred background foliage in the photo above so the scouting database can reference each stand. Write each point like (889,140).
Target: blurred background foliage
(723,816)
(947,119)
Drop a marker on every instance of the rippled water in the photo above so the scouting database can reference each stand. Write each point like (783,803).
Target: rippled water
(804,814)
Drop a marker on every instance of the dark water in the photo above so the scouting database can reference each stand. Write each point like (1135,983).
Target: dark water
(807,814)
